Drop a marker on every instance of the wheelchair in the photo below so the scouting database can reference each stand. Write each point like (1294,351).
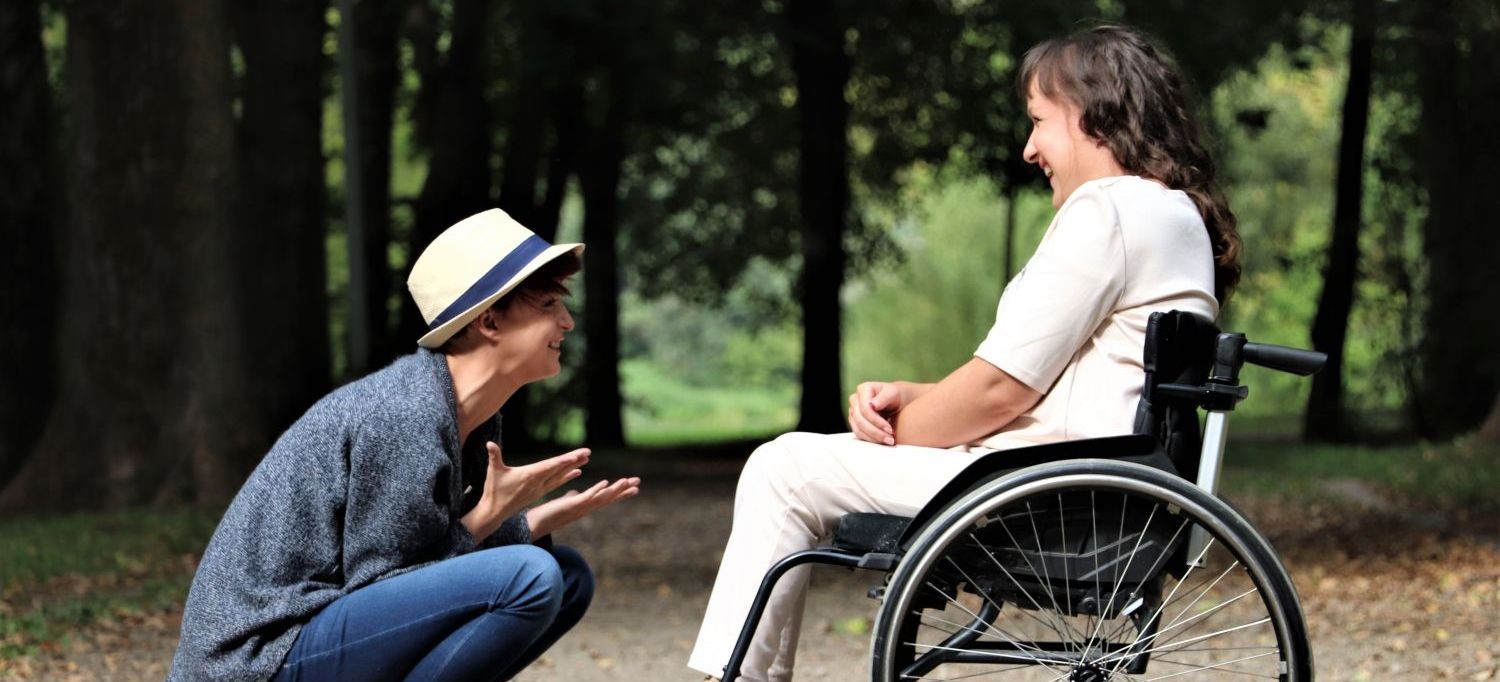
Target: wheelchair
(1089,560)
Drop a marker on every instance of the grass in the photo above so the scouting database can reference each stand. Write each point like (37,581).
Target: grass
(59,573)
(1450,476)
(662,410)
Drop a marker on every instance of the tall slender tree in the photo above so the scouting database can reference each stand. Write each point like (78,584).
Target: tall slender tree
(28,217)
(458,133)
(278,242)
(599,176)
(815,36)
(1456,62)
(375,43)
(1324,419)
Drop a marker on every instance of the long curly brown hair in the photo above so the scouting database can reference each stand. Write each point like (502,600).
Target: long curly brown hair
(1132,98)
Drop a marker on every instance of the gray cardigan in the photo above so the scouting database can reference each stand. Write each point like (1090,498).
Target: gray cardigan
(369,484)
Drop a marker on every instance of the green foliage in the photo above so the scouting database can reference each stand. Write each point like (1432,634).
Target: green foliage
(693,373)
(60,573)
(923,317)
(1279,133)
(662,410)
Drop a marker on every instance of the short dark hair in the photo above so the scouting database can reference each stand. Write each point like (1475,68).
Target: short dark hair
(551,278)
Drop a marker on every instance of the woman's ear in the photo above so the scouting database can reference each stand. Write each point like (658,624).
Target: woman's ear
(488,323)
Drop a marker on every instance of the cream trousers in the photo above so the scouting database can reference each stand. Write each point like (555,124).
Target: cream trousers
(790,496)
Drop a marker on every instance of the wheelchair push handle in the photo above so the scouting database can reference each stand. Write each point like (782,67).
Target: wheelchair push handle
(1284,359)
(1231,350)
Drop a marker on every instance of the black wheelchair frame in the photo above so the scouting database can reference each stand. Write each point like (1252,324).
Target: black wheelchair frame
(1100,605)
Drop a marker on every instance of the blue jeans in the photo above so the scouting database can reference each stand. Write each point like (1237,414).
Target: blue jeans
(481,616)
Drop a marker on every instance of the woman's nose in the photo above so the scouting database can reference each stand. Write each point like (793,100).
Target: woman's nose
(1029,151)
(566,321)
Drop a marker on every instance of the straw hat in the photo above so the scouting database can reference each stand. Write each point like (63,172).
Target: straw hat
(470,266)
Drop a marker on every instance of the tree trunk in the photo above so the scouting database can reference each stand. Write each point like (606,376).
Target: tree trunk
(375,66)
(600,177)
(1324,420)
(458,166)
(148,406)
(525,135)
(280,258)
(567,129)
(28,217)
(1460,102)
(1489,431)
(816,39)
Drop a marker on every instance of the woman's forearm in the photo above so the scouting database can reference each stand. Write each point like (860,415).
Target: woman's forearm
(911,390)
(482,521)
(976,400)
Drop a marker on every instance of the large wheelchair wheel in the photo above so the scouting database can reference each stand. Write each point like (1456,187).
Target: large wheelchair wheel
(1090,570)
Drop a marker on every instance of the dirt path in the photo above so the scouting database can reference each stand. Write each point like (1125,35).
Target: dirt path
(1388,595)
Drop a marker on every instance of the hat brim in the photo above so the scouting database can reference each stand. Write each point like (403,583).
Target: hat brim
(439,336)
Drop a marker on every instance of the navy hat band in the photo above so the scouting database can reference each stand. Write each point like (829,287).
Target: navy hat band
(487,285)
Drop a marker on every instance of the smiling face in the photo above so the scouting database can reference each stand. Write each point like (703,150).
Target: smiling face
(1066,155)
(531,332)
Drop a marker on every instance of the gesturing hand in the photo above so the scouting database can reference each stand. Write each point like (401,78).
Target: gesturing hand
(872,406)
(509,489)
(556,513)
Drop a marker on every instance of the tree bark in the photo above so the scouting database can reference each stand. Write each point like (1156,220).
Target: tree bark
(28,218)
(600,178)
(280,257)
(1489,431)
(1324,419)
(525,135)
(376,24)
(821,65)
(567,129)
(148,405)
(458,168)
(1460,96)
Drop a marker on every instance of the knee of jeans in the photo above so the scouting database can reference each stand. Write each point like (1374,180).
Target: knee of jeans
(578,580)
(535,582)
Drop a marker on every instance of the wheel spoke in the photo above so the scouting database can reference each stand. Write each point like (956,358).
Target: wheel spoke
(1167,647)
(1064,636)
(1222,610)
(1013,640)
(985,548)
(986,596)
(976,617)
(1220,667)
(1121,575)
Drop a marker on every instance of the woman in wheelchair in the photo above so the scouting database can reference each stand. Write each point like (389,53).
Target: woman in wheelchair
(1141,227)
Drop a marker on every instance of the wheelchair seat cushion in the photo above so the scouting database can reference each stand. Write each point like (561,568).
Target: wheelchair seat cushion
(863,533)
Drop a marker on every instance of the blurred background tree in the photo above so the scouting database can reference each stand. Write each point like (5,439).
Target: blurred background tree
(209,208)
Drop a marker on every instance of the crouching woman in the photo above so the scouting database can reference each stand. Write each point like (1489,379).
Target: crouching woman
(384,536)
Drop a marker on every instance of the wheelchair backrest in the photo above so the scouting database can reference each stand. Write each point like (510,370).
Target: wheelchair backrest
(1179,350)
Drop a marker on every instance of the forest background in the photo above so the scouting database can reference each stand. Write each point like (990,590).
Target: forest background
(781,199)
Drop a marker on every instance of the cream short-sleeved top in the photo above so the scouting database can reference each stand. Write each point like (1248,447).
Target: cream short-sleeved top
(1072,323)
